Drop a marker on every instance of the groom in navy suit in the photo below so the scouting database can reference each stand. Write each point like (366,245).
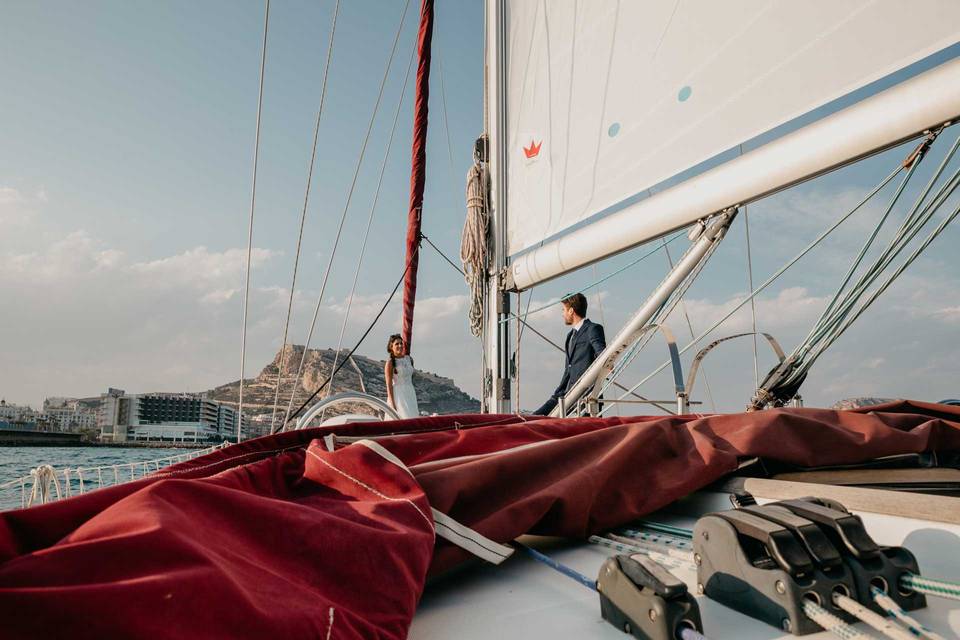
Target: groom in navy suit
(584,343)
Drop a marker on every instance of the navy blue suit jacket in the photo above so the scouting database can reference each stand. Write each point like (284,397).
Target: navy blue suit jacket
(582,349)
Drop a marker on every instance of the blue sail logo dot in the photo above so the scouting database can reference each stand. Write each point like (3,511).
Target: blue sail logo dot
(614,129)
(684,94)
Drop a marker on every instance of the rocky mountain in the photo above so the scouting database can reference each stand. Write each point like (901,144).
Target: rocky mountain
(856,403)
(435,394)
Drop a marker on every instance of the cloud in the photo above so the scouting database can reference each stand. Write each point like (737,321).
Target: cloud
(789,308)
(200,268)
(68,258)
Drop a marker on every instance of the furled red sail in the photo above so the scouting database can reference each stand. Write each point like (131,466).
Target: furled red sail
(418,167)
(280,536)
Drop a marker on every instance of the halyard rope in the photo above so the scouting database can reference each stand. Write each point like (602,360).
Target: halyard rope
(930,587)
(886,626)
(893,610)
(832,623)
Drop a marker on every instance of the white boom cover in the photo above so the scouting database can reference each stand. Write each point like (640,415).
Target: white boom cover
(606,98)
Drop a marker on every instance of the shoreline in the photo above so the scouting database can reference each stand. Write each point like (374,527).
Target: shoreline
(110,445)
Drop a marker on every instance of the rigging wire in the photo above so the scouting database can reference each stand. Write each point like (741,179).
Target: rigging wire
(253,200)
(843,309)
(753,306)
(303,213)
(524,324)
(346,208)
(373,208)
(606,277)
(356,346)
(423,236)
(773,277)
(665,310)
(683,307)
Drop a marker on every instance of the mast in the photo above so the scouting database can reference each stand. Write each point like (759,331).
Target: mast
(418,167)
(496,386)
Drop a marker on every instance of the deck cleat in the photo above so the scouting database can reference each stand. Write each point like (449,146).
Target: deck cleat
(640,597)
(872,565)
(765,565)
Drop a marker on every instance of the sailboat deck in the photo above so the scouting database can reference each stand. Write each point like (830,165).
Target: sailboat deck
(525,599)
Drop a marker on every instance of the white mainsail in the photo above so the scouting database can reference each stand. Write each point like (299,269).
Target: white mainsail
(608,98)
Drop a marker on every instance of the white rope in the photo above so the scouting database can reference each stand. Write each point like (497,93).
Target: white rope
(663,559)
(253,200)
(343,215)
(366,232)
(43,476)
(683,556)
(832,623)
(886,626)
(893,610)
(303,215)
(473,242)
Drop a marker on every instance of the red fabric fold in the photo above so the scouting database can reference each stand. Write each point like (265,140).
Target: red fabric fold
(264,538)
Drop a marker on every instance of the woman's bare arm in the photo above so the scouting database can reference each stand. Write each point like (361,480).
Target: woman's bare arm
(388,377)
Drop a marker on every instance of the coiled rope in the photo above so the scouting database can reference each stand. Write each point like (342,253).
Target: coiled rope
(473,242)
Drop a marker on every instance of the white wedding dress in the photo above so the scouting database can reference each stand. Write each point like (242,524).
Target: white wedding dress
(404,395)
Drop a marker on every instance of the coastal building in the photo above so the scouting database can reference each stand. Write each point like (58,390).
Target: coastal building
(17,417)
(165,417)
(260,425)
(68,414)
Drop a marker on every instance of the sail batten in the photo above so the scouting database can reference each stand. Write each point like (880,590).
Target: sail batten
(608,98)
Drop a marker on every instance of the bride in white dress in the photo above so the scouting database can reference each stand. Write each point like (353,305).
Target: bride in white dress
(398,373)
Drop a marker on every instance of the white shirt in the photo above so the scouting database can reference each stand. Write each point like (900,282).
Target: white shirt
(577,326)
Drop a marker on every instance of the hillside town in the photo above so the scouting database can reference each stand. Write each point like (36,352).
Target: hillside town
(119,418)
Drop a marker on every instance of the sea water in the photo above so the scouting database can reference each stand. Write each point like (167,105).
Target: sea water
(16,462)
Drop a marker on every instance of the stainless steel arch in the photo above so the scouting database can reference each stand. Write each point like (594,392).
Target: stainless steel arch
(373,402)
(695,366)
(592,400)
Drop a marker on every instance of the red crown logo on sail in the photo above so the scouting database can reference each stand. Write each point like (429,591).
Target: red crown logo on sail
(533,150)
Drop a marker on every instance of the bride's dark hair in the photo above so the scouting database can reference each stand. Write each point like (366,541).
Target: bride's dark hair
(390,341)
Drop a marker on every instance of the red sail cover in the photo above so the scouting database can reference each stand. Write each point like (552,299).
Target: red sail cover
(280,537)
(418,167)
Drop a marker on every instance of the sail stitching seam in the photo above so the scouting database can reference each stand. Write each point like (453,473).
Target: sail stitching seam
(363,485)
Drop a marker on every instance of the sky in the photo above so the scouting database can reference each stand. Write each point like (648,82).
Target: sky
(125,176)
